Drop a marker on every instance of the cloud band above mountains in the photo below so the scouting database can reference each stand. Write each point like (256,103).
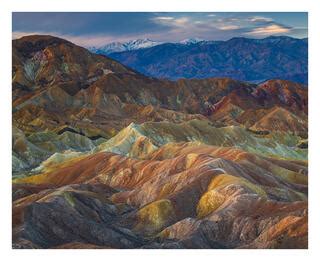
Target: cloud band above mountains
(95,29)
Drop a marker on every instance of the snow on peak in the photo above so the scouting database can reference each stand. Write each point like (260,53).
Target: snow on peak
(136,44)
(191,41)
(126,46)
(140,43)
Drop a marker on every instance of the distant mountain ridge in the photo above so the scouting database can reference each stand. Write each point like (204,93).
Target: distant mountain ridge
(191,41)
(126,46)
(254,60)
(136,44)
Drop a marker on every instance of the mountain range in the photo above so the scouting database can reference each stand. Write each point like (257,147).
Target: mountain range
(135,45)
(126,46)
(106,157)
(255,60)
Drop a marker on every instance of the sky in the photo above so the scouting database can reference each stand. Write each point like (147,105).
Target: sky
(100,28)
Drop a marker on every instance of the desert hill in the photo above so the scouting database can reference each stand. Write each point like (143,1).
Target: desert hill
(105,157)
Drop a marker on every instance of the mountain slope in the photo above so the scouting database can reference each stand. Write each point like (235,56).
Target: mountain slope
(138,140)
(95,97)
(105,157)
(224,186)
(238,58)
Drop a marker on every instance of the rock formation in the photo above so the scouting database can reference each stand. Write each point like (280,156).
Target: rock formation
(104,157)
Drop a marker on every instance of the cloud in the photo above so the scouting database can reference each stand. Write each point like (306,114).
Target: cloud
(229,20)
(171,21)
(181,21)
(228,27)
(272,29)
(165,18)
(257,19)
(88,23)
(96,29)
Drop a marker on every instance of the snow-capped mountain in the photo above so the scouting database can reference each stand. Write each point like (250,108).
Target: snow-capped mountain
(136,44)
(176,60)
(109,48)
(140,43)
(127,46)
(191,41)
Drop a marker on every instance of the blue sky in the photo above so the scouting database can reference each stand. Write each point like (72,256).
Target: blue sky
(99,28)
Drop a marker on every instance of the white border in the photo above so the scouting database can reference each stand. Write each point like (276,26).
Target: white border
(160,260)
